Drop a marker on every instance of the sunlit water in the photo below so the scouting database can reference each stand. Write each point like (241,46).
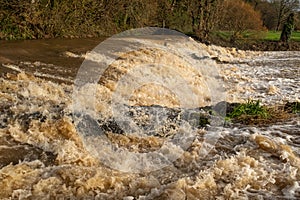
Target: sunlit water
(42,154)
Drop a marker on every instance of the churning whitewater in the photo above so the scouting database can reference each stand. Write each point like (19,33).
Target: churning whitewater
(44,155)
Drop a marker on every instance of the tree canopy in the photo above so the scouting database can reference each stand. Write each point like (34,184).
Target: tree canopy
(21,19)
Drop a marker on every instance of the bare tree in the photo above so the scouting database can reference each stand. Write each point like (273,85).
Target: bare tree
(203,14)
(297,21)
(284,8)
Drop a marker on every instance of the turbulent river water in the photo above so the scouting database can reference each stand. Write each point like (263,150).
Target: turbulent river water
(43,155)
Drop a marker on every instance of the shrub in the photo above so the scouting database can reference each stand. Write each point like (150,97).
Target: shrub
(238,17)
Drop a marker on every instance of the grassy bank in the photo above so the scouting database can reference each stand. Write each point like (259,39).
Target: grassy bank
(251,35)
(275,36)
(261,41)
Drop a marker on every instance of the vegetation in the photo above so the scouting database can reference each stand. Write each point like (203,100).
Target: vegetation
(292,107)
(252,113)
(264,36)
(275,36)
(296,107)
(23,19)
(239,17)
(252,108)
(275,12)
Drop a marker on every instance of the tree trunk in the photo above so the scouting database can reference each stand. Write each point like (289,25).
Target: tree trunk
(287,30)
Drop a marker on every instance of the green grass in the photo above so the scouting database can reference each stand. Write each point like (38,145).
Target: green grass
(272,35)
(225,35)
(250,108)
(246,35)
(296,107)
(265,36)
(275,36)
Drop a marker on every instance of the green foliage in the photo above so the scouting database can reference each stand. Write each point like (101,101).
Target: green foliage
(224,35)
(272,35)
(296,107)
(252,108)
(256,35)
(23,19)
(245,35)
(238,17)
(252,35)
(275,35)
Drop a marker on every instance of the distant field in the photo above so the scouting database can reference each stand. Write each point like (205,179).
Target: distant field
(268,36)
(275,35)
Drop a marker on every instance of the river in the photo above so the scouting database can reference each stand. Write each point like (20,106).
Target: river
(43,155)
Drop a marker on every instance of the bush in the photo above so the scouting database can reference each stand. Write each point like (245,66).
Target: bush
(239,17)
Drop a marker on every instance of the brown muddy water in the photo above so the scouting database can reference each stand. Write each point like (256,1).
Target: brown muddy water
(43,155)
(46,57)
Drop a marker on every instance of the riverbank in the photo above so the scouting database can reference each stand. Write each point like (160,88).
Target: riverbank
(256,41)
(259,45)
